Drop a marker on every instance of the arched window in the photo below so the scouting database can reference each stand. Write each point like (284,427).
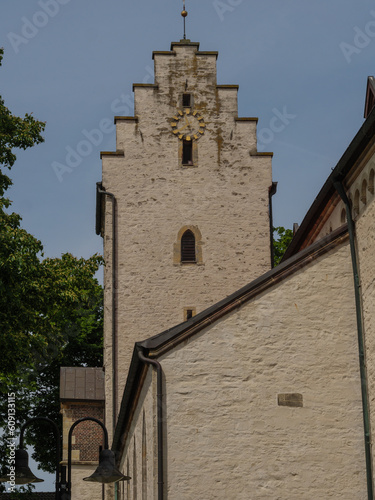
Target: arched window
(356,204)
(144,457)
(364,192)
(127,482)
(188,247)
(371,182)
(134,470)
(343,216)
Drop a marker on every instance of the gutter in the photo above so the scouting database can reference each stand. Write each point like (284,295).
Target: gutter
(159,396)
(271,192)
(338,185)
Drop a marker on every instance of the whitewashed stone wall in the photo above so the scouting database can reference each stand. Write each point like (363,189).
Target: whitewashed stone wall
(85,489)
(226,436)
(225,195)
(140,460)
(365,232)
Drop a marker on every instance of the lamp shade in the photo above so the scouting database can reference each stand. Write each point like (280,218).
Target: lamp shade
(23,474)
(107,472)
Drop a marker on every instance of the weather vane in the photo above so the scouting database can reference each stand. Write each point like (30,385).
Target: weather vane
(184,14)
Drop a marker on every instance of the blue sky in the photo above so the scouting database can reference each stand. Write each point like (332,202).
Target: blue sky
(71,62)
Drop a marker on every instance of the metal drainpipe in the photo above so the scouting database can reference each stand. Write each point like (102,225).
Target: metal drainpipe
(271,192)
(366,418)
(159,396)
(114,330)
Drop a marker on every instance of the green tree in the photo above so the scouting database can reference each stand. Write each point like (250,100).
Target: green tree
(74,306)
(82,328)
(281,241)
(50,309)
(19,255)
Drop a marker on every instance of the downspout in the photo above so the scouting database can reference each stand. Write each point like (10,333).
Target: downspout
(159,396)
(363,372)
(271,191)
(114,329)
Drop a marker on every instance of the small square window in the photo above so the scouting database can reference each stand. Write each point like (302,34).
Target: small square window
(189,312)
(186,100)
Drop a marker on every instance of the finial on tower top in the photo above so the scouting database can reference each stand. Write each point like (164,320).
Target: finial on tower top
(184,14)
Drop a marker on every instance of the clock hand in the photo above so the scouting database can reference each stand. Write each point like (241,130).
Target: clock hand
(188,124)
(182,128)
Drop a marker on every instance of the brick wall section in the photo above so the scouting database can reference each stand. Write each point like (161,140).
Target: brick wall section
(87,436)
(86,439)
(82,395)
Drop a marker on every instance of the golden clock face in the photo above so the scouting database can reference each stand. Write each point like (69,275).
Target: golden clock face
(188,125)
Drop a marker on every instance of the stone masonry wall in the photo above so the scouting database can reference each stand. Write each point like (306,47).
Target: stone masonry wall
(224,195)
(365,232)
(227,435)
(140,460)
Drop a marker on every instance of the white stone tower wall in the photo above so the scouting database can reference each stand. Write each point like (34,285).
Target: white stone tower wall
(224,197)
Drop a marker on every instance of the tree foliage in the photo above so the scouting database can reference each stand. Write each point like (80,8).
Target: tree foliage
(70,328)
(281,242)
(81,326)
(50,309)
(19,256)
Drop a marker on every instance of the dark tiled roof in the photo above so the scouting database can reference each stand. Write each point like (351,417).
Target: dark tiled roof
(82,384)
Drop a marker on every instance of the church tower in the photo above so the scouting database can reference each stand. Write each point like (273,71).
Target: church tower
(183,206)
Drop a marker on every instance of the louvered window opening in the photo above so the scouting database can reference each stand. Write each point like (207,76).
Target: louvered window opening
(187,153)
(188,247)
